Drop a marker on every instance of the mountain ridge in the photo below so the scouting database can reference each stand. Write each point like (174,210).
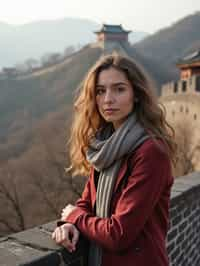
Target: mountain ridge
(35,39)
(172,42)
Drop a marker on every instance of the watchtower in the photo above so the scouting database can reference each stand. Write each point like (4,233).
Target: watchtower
(189,65)
(189,82)
(112,33)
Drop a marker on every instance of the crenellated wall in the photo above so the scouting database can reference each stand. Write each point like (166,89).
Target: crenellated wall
(34,247)
(188,86)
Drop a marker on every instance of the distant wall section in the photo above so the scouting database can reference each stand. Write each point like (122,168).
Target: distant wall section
(189,86)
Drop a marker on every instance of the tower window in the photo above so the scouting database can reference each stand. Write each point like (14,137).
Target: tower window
(184,86)
(197,84)
(175,87)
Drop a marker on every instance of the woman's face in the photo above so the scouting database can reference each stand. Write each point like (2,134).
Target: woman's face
(114,96)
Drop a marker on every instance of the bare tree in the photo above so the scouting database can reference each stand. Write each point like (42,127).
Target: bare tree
(57,160)
(187,148)
(35,187)
(31,63)
(69,50)
(50,58)
(12,217)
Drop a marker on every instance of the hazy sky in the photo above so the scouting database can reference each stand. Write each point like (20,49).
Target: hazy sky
(140,15)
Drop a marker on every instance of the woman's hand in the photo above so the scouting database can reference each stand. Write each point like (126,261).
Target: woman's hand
(66,235)
(66,211)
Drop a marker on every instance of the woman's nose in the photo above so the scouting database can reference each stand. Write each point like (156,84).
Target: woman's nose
(108,97)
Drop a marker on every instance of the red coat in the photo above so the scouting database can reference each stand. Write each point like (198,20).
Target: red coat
(135,233)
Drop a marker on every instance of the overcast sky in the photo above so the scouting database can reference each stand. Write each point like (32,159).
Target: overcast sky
(140,15)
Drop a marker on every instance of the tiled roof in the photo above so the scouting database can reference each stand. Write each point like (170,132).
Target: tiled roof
(190,58)
(112,29)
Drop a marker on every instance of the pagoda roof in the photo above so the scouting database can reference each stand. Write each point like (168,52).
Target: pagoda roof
(190,59)
(108,28)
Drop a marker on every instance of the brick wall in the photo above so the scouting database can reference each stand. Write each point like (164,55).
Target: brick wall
(184,235)
(34,247)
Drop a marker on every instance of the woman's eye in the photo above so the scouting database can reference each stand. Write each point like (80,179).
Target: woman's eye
(120,89)
(100,91)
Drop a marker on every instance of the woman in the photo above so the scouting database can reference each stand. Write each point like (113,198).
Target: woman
(121,136)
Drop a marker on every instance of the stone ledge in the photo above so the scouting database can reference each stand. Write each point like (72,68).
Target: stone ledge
(185,187)
(34,247)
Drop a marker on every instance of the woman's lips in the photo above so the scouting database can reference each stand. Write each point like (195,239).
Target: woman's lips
(110,110)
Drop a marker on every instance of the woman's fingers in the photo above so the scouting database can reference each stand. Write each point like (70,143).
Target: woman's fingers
(66,235)
(58,235)
(75,237)
(66,241)
(68,246)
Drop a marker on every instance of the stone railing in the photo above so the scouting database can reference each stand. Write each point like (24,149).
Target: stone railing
(34,247)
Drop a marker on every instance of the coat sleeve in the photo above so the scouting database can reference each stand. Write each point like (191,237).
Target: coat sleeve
(149,176)
(85,202)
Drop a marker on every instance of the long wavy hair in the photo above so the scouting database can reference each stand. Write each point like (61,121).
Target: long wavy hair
(87,119)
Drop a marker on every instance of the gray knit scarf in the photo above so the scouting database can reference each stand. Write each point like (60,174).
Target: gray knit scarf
(106,152)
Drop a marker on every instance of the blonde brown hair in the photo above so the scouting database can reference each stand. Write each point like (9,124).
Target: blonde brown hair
(87,120)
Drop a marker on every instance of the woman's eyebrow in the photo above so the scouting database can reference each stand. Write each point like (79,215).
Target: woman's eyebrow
(100,86)
(113,84)
(119,83)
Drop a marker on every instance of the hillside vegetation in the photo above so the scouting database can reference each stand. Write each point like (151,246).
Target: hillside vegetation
(169,44)
(25,101)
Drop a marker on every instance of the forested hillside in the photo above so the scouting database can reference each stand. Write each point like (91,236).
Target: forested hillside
(170,44)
